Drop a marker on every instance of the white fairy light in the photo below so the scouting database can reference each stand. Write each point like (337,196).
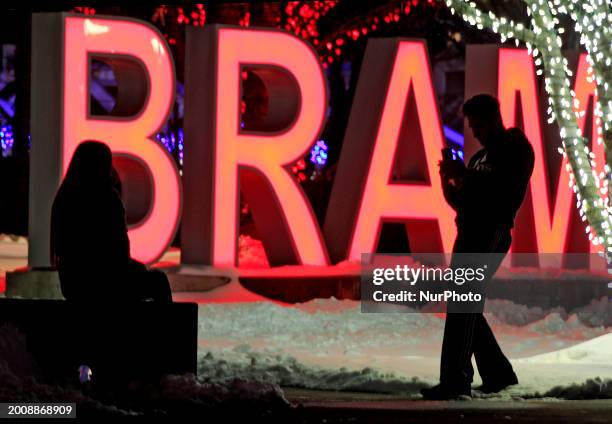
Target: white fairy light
(544,43)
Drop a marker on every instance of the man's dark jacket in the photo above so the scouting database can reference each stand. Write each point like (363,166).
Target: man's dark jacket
(493,186)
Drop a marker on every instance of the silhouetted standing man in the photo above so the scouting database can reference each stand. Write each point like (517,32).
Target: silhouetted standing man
(486,196)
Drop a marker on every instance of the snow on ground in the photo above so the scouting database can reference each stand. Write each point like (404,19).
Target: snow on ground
(329,344)
(594,351)
(13,255)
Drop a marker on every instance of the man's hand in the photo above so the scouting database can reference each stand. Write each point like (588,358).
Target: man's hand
(451,169)
(451,181)
(442,174)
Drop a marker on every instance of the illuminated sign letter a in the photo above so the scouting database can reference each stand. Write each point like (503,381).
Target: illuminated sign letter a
(394,115)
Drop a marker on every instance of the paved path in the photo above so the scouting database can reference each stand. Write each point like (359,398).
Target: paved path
(334,407)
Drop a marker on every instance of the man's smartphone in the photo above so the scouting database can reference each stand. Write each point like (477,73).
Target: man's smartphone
(447,154)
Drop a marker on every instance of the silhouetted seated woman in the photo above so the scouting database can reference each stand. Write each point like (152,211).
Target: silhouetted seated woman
(89,241)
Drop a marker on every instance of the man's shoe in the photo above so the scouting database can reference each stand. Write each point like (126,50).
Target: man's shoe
(445,392)
(497,386)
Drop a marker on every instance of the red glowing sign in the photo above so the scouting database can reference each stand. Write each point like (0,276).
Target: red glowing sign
(551,214)
(144,70)
(132,136)
(546,219)
(388,166)
(394,106)
(255,161)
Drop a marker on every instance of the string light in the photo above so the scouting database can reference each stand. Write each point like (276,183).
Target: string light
(543,42)
(318,153)
(592,20)
(353,30)
(6,140)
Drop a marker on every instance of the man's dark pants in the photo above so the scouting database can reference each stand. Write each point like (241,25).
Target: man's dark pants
(467,334)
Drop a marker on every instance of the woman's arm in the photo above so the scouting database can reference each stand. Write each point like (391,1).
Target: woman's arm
(118,233)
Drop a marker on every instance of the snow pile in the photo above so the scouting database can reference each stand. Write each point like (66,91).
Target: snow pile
(14,356)
(507,312)
(188,387)
(187,396)
(287,371)
(251,252)
(18,379)
(13,255)
(594,351)
(329,344)
(598,313)
(595,388)
(173,395)
(247,351)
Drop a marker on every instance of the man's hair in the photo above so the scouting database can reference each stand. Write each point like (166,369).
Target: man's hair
(483,105)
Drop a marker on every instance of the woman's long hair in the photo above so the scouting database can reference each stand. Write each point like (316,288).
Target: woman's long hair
(90,173)
(90,168)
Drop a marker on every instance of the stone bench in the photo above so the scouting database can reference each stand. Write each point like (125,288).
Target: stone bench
(120,341)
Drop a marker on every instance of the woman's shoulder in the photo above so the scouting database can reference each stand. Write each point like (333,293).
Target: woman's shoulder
(114,199)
